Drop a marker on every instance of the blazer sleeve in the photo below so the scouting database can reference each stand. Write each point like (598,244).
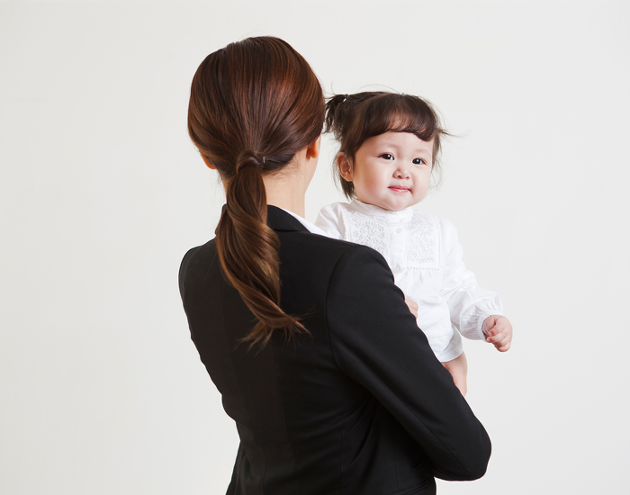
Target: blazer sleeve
(376,341)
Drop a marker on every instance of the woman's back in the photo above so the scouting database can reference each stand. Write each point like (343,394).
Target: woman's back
(332,386)
(358,405)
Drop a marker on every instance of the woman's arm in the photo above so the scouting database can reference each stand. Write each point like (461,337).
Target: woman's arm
(376,341)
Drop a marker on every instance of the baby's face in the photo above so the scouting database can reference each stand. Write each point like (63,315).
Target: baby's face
(392,170)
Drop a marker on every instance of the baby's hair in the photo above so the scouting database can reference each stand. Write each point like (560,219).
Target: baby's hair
(355,118)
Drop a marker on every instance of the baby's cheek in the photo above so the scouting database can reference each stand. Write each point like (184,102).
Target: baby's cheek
(374,182)
(368,183)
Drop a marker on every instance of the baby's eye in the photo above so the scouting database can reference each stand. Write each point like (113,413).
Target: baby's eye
(418,161)
(387,156)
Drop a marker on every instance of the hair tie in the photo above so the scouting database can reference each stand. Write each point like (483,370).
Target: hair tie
(251,160)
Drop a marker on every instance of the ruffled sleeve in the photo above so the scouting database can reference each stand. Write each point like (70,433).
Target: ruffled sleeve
(469,304)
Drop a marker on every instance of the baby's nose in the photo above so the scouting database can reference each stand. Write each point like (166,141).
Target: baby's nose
(401,174)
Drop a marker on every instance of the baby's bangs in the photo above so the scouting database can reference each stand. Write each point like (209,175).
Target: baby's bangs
(400,113)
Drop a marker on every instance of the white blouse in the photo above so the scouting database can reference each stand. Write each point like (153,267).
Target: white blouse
(427,262)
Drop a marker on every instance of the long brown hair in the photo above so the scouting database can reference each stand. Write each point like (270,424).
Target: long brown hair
(253,105)
(355,118)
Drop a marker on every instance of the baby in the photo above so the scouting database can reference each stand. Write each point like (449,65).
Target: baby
(390,144)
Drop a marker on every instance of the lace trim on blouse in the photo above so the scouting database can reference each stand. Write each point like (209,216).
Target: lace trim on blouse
(366,230)
(423,234)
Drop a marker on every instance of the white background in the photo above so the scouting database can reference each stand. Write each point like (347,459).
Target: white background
(102,192)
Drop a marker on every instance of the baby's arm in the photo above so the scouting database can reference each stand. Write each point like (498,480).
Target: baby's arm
(474,311)
(498,332)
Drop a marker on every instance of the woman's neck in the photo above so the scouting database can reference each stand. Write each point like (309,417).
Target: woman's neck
(287,188)
(286,192)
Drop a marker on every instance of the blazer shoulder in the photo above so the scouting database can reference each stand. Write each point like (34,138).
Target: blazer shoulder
(333,250)
(196,261)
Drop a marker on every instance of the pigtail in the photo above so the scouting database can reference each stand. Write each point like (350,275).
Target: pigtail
(340,112)
(335,115)
(248,250)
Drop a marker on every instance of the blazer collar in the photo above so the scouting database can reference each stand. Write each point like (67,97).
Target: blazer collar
(279,219)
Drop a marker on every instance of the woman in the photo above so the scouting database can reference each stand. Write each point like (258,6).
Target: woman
(320,363)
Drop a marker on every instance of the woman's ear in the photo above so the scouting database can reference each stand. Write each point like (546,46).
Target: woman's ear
(344,166)
(312,150)
(207,162)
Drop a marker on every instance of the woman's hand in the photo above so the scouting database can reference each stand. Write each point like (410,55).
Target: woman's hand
(413,307)
(498,332)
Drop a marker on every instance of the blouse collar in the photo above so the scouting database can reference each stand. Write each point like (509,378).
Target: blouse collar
(375,211)
(311,227)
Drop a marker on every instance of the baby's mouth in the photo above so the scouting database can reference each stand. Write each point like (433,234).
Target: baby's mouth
(399,189)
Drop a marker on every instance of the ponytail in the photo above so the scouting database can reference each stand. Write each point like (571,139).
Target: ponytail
(252,99)
(248,250)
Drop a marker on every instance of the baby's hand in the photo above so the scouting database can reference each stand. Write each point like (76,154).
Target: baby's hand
(498,332)
(413,307)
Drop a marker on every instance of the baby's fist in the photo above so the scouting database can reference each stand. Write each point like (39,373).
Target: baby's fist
(498,332)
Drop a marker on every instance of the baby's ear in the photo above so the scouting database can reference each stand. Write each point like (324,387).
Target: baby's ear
(344,166)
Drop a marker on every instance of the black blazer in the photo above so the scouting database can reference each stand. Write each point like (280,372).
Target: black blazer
(359,406)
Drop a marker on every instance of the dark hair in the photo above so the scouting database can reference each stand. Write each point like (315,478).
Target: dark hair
(355,118)
(253,105)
